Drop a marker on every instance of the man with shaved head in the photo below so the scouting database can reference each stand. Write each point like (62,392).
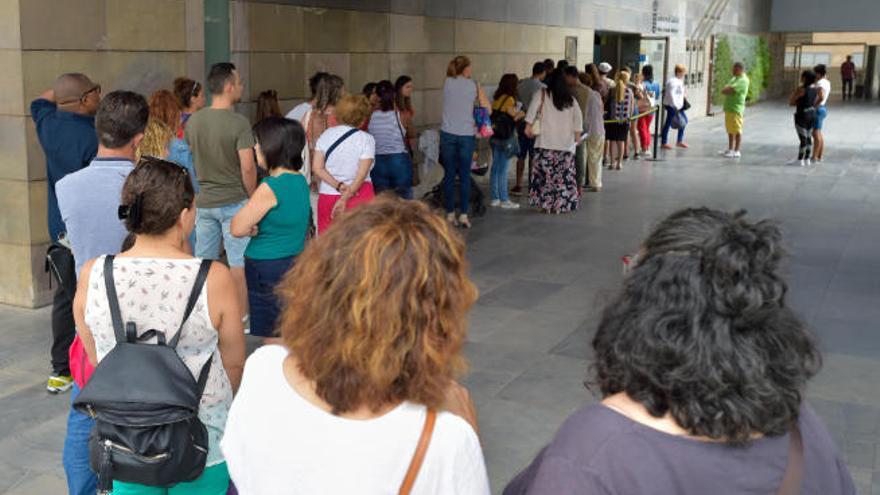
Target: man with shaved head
(65,122)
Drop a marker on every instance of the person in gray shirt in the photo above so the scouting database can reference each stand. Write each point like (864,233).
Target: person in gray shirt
(89,199)
(702,368)
(89,204)
(525,91)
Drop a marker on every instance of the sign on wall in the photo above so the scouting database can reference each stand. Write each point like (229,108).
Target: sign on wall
(664,20)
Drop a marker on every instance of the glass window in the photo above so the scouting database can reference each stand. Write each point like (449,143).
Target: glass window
(858,58)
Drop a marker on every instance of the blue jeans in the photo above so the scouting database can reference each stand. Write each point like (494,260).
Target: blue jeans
(456,153)
(262,277)
(212,226)
(667,124)
(393,172)
(81,480)
(498,174)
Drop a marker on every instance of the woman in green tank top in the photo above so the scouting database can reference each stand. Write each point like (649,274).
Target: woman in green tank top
(277,218)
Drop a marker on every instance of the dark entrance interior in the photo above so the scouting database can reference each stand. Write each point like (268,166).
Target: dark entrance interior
(618,49)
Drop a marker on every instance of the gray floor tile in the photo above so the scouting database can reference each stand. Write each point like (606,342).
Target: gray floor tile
(544,280)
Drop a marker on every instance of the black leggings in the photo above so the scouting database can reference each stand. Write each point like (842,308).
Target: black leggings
(805,134)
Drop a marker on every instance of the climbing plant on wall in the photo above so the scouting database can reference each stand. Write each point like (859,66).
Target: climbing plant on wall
(752,51)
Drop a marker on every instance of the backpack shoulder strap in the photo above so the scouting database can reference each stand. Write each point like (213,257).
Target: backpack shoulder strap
(338,142)
(203,375)
(204,268)
(110,286)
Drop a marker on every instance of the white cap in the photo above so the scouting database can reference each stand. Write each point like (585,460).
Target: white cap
(604,67)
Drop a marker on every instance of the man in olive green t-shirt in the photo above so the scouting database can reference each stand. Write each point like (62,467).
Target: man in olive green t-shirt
(734,105)
(222,144)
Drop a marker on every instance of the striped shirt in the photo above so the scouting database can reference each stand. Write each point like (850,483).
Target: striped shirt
(387,129)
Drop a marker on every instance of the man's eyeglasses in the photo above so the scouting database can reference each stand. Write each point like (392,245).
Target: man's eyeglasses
(85,94)
(95,89)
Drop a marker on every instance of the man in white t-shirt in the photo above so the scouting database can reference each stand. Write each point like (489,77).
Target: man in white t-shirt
(824,87)
(300,111)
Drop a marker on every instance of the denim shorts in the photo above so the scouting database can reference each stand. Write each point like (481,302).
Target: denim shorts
(212,226)
(821,113)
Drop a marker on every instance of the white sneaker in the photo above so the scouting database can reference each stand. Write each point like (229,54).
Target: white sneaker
(730,154)
(495,203)
(817,161)
(737,154)
(510,205)
(806,163)
(797,162)
(646,154)
(724,152)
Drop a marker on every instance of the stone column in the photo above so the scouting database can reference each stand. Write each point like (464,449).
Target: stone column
(122,44)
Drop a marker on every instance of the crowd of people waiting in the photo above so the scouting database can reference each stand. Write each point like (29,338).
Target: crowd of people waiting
(697,359)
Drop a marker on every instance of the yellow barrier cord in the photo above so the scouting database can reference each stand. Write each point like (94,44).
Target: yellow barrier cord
(634,117)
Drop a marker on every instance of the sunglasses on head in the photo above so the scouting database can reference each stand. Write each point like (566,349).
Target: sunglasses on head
(146,159)
(195,90)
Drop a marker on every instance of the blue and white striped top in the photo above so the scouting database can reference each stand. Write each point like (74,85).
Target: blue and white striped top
(387,129)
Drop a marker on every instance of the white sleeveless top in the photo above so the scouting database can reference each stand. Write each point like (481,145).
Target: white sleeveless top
(153,294)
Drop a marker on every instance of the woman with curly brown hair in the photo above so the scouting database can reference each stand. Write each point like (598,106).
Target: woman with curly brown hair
(373,327)
(702,368)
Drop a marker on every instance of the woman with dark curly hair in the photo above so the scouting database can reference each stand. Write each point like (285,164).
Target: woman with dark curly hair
(702,368)
(373,325)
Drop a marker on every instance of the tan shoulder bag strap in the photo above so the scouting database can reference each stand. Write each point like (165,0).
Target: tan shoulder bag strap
(794,470)
(419,456)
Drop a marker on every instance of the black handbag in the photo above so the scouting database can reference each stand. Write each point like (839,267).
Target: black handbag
(145,403)
(503,124)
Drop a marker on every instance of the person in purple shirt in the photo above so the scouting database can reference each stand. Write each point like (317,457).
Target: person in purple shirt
(702,369)
(65,121)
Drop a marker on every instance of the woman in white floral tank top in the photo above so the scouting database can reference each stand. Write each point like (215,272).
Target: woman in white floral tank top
(153,281)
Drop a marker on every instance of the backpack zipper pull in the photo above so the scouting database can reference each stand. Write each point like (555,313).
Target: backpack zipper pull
(105,475)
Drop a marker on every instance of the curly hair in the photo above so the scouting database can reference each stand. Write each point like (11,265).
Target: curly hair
(165,108)
(375,309)
(157,137)
(353,110)
(701,330)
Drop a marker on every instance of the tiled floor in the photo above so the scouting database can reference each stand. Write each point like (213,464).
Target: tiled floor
(544,278)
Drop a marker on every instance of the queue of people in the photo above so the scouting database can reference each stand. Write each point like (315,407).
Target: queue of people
(355,387)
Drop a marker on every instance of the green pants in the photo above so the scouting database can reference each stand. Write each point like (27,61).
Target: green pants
(214,481)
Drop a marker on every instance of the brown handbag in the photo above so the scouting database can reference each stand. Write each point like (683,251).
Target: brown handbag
(419,456)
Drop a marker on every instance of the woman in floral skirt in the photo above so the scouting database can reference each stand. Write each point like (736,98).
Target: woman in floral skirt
(557,122)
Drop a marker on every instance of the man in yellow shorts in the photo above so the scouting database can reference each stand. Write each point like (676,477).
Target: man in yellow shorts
(734,105)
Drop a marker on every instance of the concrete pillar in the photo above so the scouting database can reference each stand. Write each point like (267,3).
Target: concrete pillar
(23,227)
(122,44)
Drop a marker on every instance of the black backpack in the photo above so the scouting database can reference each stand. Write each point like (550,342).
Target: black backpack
(503,124)
(146,403)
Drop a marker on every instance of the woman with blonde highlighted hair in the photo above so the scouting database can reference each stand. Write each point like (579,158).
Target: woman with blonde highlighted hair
(368,359)
(618,109)
(164,119)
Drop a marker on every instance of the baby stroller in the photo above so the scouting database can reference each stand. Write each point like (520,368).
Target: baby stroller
(434,197)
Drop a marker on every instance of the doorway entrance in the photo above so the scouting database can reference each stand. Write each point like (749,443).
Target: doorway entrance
(618,49)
